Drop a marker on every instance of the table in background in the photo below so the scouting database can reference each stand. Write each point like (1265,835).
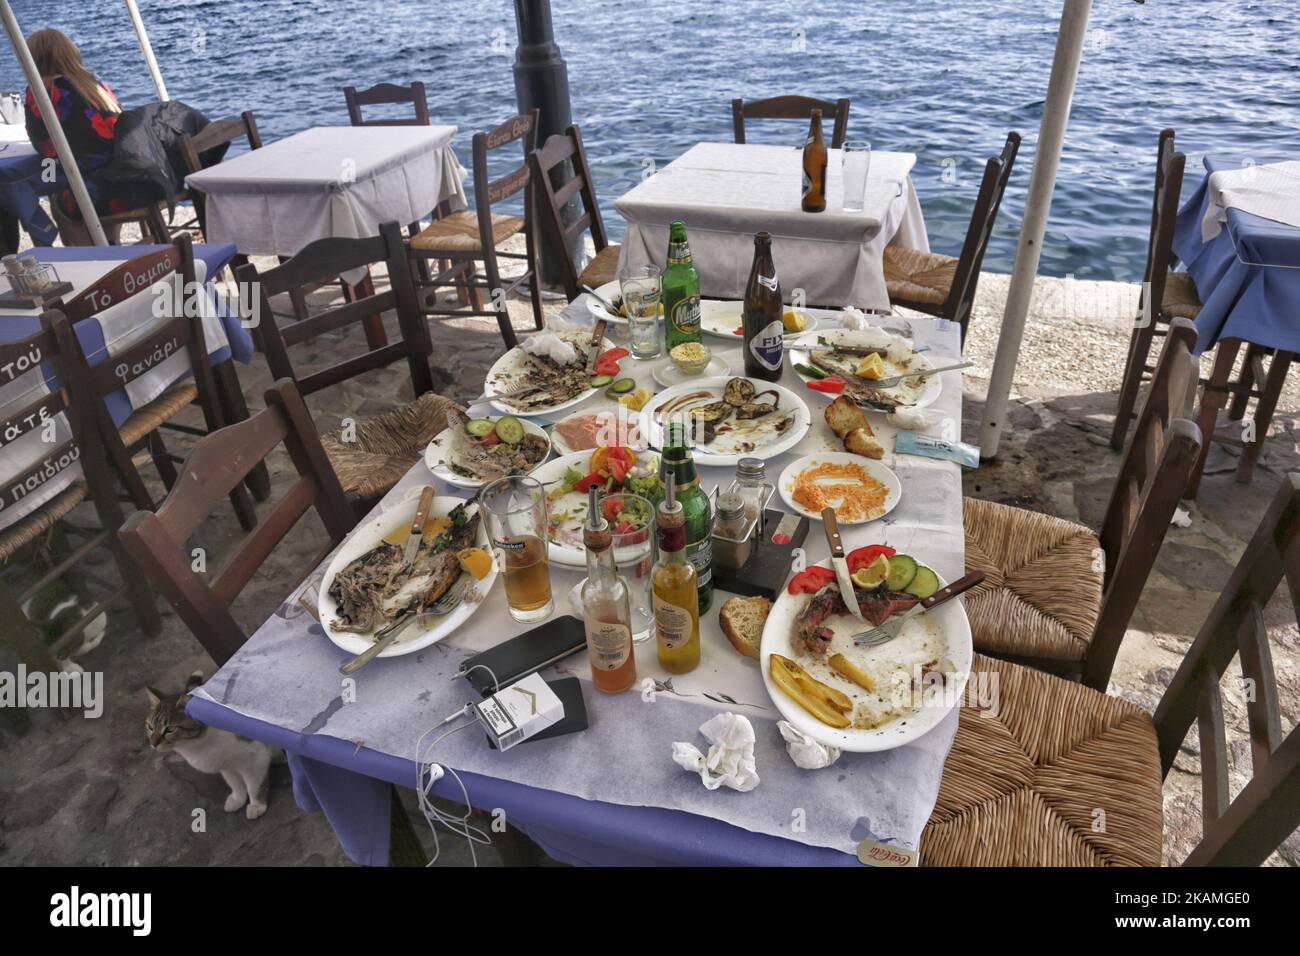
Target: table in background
(227,340)
(726,192)
(610,794)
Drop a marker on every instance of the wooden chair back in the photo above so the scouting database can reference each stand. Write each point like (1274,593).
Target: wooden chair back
(791,107)
(1169,178)
(1244,830)
(1147,491)
(325,260)
(558,151)
(384,94)
(997,172)
(218,133)
(157,541)
(489,192)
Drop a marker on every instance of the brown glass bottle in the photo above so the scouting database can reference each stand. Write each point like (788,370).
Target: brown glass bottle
(814,166)
(761,317)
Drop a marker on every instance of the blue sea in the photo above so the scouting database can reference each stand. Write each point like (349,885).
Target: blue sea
(945,79)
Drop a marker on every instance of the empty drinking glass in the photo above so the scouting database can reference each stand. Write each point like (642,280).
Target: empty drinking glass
(642,288)
(855,157)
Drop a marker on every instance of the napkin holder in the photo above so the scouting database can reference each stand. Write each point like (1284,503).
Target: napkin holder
(32,290)
(765,573)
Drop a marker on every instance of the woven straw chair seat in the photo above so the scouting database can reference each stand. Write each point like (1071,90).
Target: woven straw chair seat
(1042,593)
(1023,787)
(1180,298)
(459,233)
(915,276)
(603,268)
(386,447)
(28,529)
(162,409)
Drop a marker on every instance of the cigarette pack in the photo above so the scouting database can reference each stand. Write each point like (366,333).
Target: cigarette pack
(522,710)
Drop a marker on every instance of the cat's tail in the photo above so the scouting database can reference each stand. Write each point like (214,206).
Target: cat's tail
(195,680)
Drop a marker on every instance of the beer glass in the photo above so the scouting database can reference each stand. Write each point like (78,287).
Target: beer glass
(642,288)
(855,159)
(515,510)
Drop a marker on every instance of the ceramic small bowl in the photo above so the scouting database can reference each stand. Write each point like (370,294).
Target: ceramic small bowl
(691,364)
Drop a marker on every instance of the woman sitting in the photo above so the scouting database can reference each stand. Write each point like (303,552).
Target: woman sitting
(88,112)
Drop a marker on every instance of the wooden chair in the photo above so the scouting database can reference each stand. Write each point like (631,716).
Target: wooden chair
(98,376)
(384,94)
(940,285)
(217,135)
(384,449)
(792,108)
(1061,775)
(1058,597)
(81,447)
(557,152)
(464,238)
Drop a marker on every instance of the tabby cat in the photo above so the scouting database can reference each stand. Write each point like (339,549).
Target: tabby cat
(244,764)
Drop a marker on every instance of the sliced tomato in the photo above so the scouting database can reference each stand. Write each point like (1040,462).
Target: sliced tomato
(811,580)
(859,558)
(612,508)
(831,384)
(593,480)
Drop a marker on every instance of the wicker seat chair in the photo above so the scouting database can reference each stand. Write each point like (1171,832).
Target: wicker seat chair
(1061,775)
(1057,596)
(792,108)
(558,150)
(940,285)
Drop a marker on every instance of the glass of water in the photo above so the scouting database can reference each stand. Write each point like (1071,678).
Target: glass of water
(642,288)
(855,157)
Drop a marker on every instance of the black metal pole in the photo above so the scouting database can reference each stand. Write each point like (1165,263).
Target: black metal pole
(542,83)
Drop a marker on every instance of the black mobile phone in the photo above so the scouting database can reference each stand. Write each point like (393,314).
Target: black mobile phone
(523,655)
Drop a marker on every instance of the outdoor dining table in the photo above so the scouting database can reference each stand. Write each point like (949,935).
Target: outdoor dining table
(103,336)
(610,794)
(22,185)
(726,192)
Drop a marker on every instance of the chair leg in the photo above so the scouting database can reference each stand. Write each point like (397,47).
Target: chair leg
(535,293)
(499,303)
(1213,397)
(1277,372)
(1138,352)
(235,409)
(1237,407)
(162,460)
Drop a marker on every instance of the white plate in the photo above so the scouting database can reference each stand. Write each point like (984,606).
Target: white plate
(435,456)
(369,535)
(611,292)
(897,349)
(513,361)
(788,401)
(561,447)
(948,631)
(785,484)
(575,555)
(668,374)
(722,317)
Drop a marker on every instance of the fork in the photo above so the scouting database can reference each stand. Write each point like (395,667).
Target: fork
(385,636)
(896,379)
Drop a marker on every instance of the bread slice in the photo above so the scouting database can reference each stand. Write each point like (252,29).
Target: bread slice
(742,620)
(843,417)
(860,441)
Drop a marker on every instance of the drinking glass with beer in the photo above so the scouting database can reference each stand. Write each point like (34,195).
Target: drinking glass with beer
(516,517)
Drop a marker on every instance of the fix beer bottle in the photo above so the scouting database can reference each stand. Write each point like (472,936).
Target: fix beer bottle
(814,166)
(681,291)
(761,318)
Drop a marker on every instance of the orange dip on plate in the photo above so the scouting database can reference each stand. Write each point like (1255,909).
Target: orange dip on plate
(847,488)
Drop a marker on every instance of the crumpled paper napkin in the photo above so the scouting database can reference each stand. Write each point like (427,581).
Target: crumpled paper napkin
(806,753)
(730,761)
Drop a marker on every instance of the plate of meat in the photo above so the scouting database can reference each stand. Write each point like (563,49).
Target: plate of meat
(865,698)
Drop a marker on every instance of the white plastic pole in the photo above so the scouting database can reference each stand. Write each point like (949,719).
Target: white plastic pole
(52,124)
(147,50)
(1038,203)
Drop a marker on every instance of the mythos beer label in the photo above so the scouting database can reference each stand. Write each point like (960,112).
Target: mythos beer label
(767,345)
(686,315)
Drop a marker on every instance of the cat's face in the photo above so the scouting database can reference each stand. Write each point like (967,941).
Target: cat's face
(167,723)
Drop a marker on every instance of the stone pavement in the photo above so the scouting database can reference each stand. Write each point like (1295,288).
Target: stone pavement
(91,792)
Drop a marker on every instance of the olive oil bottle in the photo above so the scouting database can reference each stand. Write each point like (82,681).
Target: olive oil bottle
(676,604)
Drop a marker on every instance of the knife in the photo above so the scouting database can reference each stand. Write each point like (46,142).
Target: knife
(596,341)
(840,563)
(417,526)
(894,626)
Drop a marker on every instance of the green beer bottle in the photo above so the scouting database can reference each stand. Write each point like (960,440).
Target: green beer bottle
(676,460)
(681,291)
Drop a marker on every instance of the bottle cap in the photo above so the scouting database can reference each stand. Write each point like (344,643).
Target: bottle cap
(595,533)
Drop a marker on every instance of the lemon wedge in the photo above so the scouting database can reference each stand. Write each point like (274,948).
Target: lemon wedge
(872,367)
(476,561)
(873,575)
(636,400)
(794,321)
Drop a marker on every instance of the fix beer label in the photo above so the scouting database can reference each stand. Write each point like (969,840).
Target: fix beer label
(768,345)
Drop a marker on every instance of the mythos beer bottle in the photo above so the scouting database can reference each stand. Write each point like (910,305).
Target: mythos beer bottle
(681,291)
(761,318)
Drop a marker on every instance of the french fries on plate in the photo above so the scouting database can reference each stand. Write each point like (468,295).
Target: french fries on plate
(825,703)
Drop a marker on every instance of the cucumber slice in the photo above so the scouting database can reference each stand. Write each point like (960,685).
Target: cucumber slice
(902,569)
(924,584)
(479,427)
(510,430)
(600,381)
(622,386)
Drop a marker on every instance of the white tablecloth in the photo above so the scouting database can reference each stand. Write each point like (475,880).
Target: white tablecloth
(726,192)
(329,181)
(1271,191)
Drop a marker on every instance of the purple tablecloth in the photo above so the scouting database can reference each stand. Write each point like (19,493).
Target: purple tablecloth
(1247,276)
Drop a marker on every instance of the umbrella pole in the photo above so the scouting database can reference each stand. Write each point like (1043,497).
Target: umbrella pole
(147,50)
(1038,203)
(68,161)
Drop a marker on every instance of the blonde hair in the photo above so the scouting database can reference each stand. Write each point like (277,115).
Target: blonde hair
(56,56)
